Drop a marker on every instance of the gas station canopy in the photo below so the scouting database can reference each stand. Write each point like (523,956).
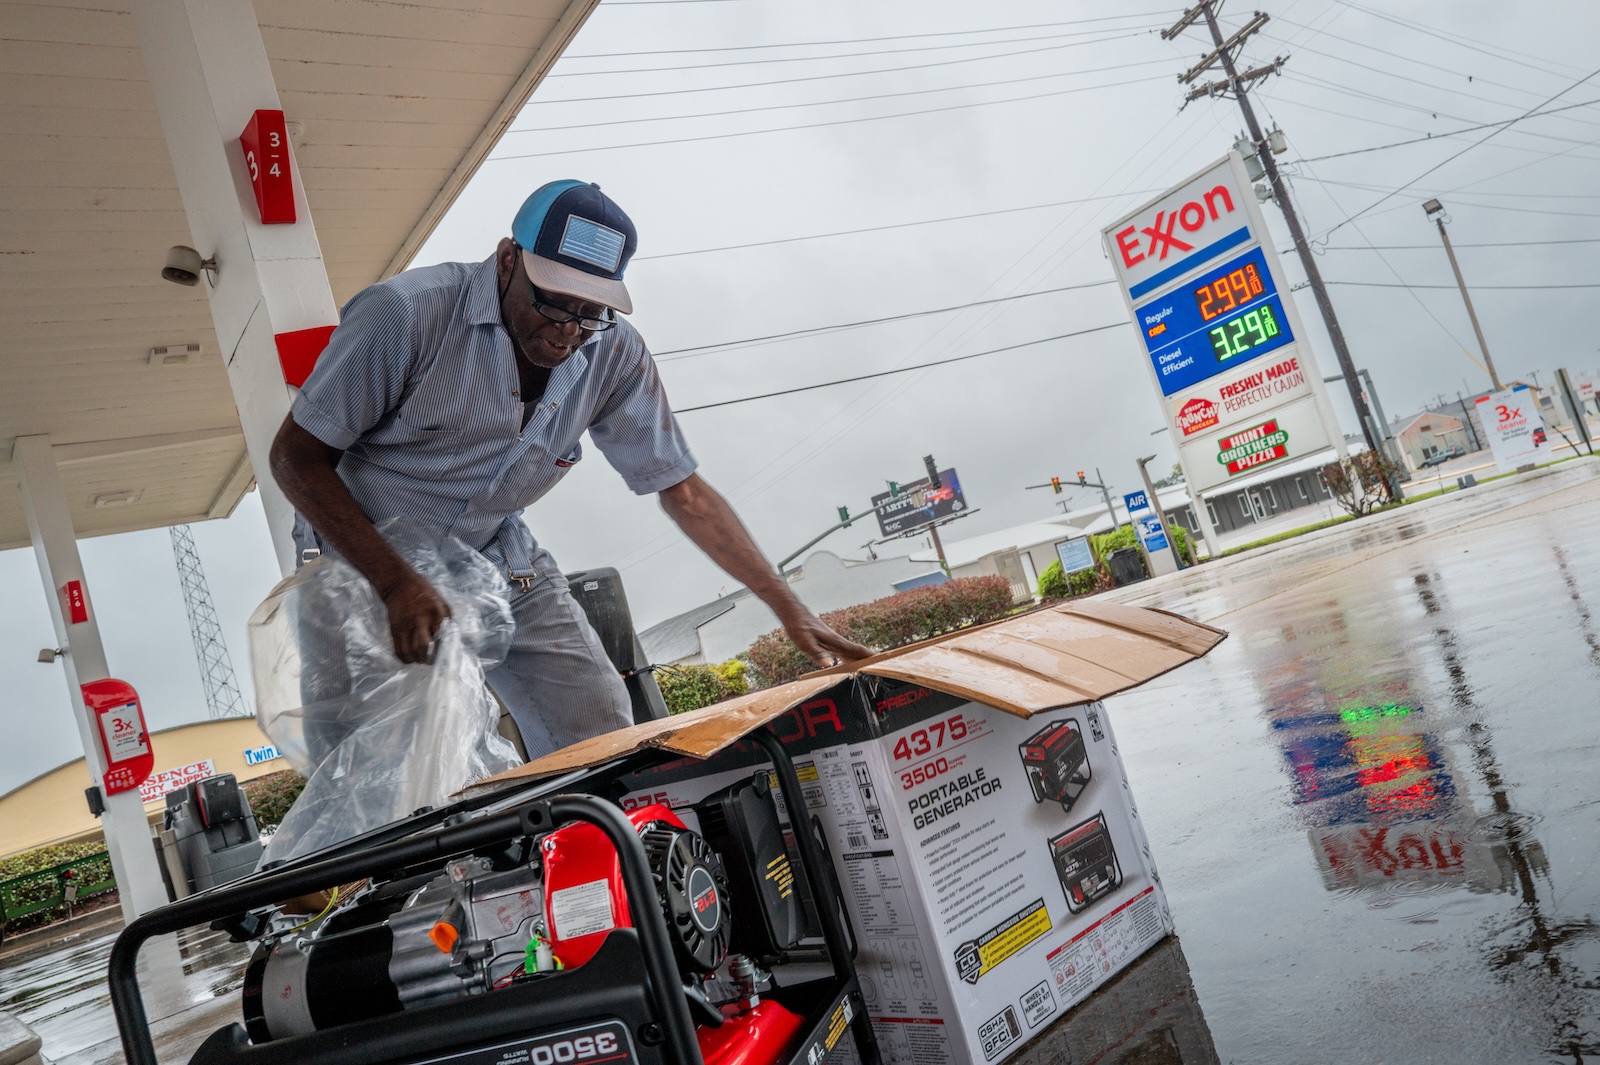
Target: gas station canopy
(391,106)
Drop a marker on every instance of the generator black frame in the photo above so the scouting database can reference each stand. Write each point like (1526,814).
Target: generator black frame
(655,1009)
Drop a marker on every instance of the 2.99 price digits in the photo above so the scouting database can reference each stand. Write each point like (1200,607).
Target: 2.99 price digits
(1231,290)
(932,738)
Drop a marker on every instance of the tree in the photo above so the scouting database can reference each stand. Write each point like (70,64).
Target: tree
(1175,477)
(1362,484)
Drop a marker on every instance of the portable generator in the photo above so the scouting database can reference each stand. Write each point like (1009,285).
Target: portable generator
(538,925)
(1086,863)
(1057,763)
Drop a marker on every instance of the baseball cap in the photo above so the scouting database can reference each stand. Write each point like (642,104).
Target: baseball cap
(576,242)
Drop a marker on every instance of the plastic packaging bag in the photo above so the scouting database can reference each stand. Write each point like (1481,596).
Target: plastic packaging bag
(377,739)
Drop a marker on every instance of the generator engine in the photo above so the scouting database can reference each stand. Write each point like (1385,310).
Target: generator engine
(544,905)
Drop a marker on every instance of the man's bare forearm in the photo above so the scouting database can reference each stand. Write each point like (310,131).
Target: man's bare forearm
(307,470)
(707,519)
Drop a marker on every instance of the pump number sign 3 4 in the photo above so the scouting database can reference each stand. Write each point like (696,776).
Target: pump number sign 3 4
(1224,347)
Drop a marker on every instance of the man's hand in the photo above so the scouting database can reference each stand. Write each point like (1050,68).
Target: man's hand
(416,610)
(820,643)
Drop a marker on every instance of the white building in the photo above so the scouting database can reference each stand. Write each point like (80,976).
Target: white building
(722,628)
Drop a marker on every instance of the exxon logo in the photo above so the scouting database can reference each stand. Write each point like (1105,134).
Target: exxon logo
(1172,230)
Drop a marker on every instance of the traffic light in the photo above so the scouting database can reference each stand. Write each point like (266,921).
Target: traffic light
(844,516)
(1055,483)
(1082,478)
(934,484)
(894,489)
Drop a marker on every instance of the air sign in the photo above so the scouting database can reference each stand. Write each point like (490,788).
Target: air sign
(1224,345)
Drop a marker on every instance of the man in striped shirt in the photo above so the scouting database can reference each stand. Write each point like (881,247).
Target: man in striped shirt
(455,395)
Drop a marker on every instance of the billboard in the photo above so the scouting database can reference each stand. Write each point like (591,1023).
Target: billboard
(919,505)
(1223,342)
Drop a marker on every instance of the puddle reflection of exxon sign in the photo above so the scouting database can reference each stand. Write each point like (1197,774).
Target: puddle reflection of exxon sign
(1369,768)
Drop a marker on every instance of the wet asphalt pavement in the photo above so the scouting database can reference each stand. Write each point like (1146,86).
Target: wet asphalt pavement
(1376,806)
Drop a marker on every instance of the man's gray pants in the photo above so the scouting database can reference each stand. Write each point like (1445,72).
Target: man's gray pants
(556,680)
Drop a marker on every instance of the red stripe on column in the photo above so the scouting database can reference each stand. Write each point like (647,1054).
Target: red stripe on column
(298,351)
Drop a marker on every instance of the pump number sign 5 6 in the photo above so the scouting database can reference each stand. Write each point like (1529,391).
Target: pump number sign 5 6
(1224,346)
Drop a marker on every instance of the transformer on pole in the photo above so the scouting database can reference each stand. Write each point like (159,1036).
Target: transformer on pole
(223,697)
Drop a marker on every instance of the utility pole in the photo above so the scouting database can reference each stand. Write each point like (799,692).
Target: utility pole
(1466,416)
(1435,210)
(1239,84)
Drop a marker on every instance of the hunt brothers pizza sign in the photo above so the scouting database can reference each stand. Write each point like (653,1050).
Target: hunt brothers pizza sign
(1253,447)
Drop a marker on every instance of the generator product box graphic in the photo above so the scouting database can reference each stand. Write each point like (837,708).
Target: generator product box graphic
(986,849)
(979,913)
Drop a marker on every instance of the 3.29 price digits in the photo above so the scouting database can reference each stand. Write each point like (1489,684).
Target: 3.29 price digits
(1244,332)
(930,738)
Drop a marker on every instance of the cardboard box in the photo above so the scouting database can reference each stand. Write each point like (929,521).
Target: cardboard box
(986,845)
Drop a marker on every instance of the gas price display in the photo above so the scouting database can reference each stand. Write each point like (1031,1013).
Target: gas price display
(1228,315)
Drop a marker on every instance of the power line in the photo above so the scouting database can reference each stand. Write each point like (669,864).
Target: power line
(845,100)
(1365,47)
(896,225)
(1464,151)
(1435,136)
(678,354)
(1116,35)
(898,369)
(1452,287)
(1485,244)
(827,77)
(1325,85)
(1461,41)
(833,122)
(865,40)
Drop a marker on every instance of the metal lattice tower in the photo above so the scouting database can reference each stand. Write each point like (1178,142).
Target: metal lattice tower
(223,697)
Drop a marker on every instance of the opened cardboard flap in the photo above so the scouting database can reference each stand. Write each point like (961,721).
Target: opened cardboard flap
(1077,652)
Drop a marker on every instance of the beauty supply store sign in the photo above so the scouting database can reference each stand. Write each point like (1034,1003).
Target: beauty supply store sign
(1224,344)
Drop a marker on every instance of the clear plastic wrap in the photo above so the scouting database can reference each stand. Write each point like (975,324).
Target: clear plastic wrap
(375,738)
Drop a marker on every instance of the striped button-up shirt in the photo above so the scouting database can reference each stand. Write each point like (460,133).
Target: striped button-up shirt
(419,388)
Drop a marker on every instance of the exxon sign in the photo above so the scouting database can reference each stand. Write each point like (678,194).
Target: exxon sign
(1199,221)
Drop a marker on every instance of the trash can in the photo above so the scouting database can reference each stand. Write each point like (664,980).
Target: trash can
(1126,566)
(215,831)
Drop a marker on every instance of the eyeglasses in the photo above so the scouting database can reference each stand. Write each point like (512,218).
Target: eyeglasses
(561,316)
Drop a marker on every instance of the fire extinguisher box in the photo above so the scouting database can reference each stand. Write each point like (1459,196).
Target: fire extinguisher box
(118,720)
(984,839)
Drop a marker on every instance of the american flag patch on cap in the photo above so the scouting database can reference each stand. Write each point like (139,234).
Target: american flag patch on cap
(592,243)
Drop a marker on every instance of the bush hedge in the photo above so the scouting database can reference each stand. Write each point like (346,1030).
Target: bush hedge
(893,621)
(1054,584)
(272,795)
(688,688)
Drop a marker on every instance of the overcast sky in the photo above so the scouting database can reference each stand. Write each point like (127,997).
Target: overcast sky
(841,144)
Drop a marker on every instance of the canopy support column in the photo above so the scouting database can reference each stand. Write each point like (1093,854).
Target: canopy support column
(209,74)
(55,545)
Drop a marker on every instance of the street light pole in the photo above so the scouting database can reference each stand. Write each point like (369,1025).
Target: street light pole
(1435,210)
